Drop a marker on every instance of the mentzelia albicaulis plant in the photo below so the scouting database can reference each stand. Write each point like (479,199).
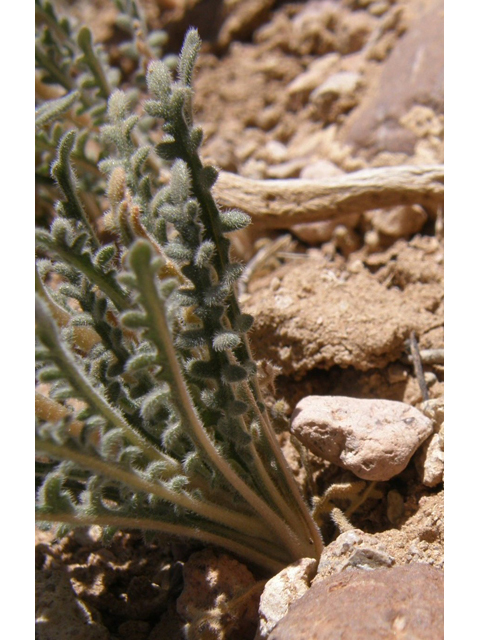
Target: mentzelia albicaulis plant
(149,409)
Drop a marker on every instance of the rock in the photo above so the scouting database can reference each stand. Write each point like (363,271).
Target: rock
(314,233)
(412,75)
(374,439)
(269,117)
(59,613)
(313,77)
(401,221)
(401,602)
(221,153)
(255,169)
(215,592)
(353,549)
(310,33)
(274,152)
(377,8)
(429,460)
(341,84)
(288,169)
(321,26)
(321,169)
(281,591)
(242,18)
(169,626)
(337,95)
(353,31)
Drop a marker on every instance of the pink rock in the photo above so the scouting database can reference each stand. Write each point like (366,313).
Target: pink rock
(401,602)
(374,439)
(412,75)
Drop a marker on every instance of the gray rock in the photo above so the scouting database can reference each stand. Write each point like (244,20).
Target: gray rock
(281,591)
(401,602)
(353,549)
(374,439)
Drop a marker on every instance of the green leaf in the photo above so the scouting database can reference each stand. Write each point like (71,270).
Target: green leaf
(192,338)
(203,369)
(168,150)
(159,82)
(142,361)
(226,340)
(53,498)
(204,254)
(234,220)
(154,402)
(105,254)
(53,109)
(188,56)
(233,373)
(134,319)
(244,322)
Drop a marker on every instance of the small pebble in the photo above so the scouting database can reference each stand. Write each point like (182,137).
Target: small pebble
(374,439)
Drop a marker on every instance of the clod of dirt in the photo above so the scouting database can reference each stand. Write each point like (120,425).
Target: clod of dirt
(310,314)
(398,602)
(374,439)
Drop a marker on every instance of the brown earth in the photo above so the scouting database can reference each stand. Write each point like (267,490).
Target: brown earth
(286,90)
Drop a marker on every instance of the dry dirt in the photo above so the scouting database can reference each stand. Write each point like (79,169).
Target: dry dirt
(334,304)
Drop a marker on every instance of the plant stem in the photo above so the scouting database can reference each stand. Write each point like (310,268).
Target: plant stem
(306,519)
(160,335)
(226,517)
(183,531)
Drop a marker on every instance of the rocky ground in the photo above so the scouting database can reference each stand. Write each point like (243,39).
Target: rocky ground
(315,89)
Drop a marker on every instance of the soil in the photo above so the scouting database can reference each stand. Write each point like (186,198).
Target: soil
(333,314)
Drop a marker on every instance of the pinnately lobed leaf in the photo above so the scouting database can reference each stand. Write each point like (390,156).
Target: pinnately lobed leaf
(148,406)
